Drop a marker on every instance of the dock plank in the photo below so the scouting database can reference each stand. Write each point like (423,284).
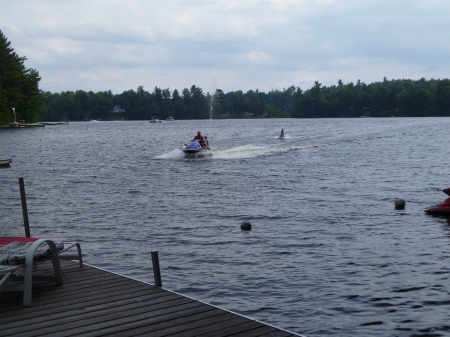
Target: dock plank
(194,328)
(95,302)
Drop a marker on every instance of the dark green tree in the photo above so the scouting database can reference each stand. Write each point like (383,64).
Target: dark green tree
(235,103)
(19,86)
(177,107)
(102,105)
(414,101)
(296,110)
(188,112)
(199,105)
(382,101)
(219,103)
(310,104)
(443,98)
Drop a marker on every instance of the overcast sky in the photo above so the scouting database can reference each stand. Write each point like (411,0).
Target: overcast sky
(117,45)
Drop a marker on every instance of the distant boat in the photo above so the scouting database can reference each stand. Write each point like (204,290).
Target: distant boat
(155,120)
(49,123)
(5,162)
(55,123)
(170,118)
(31,125)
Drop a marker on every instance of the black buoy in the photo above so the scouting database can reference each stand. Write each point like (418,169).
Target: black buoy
(246,226)
(399,204)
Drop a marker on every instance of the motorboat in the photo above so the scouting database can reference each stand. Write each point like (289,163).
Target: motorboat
(155,120)
(31,125)
(56,123)
(5,162)
(49,123)
(443,208)
(194,150)
(170,119)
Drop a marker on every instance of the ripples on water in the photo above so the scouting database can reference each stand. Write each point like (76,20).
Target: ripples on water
(327,256)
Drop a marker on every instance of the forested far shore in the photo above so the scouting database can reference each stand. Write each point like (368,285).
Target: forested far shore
(400,98)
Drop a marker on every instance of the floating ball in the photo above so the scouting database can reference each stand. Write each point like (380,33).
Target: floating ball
(399,204)
(246,226)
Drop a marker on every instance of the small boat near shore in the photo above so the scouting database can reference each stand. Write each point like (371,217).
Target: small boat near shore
(5,162)
(195,150)
(31,125)
(155,120)
(55,123)
(49,123)
(443,208)
(16,125)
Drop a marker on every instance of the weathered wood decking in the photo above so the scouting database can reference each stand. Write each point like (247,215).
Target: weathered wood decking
(94,302)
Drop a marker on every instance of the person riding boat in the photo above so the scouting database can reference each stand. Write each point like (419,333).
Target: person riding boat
(198,137)
(205,143)
(197,147)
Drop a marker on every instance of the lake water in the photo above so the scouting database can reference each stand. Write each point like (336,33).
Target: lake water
(328,255)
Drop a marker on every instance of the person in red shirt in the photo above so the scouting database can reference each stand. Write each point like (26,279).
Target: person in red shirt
(198,137)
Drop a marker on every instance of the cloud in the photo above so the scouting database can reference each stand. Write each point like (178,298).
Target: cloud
(246,44)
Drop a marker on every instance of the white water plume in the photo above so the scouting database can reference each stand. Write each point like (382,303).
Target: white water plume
(252,151)
(240,152)
(212,102)
(174,154)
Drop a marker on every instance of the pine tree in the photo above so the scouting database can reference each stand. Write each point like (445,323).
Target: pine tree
(19,86)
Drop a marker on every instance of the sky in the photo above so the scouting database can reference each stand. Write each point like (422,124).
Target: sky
(118,45)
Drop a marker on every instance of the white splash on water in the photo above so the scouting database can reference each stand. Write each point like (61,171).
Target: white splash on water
(174,154)
(240,152)
(252,151)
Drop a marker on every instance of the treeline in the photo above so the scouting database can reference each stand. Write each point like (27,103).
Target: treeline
(401,98)
(19,86)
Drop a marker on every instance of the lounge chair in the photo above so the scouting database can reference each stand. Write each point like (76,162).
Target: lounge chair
(6,272)
(20,254)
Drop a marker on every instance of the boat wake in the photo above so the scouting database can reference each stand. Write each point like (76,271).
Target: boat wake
(240,152)
(175,154)
(252,151)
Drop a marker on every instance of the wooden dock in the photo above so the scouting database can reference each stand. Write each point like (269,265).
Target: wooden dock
(95,302)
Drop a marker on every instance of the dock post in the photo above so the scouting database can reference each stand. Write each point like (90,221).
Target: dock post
(156,270)
(24,208)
